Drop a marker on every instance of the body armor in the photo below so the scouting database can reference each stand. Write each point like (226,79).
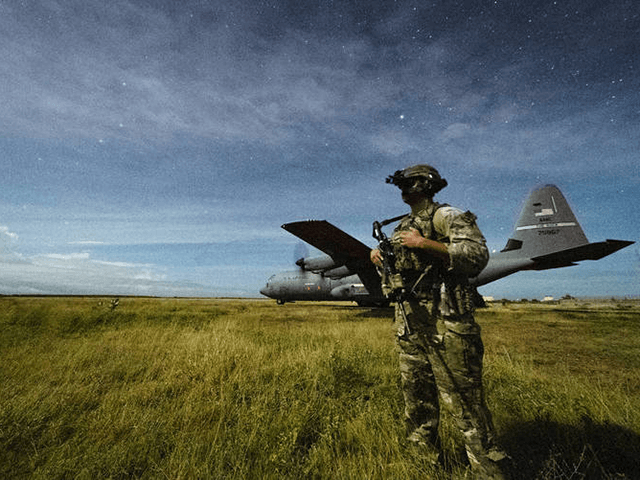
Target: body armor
(421,273)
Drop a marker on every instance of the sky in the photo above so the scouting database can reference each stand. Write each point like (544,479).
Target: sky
(155,147)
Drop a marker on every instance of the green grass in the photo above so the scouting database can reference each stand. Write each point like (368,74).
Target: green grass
(200,388)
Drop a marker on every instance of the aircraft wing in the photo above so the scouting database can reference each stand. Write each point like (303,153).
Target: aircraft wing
(328,239)
(341,247)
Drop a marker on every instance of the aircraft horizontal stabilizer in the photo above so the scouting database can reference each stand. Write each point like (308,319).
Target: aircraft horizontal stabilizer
(590,251)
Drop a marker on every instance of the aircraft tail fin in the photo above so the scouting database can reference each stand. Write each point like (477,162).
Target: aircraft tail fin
(547,235)
(546,225)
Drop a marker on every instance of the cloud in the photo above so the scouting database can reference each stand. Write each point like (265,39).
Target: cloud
(206,269)
(6,236)
(66,257)
(227,73)
(78,273)
(125,76)
(148,74)
(8,246)
(456,130)
(393,143)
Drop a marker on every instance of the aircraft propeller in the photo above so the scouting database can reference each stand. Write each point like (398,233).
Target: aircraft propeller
(300,252)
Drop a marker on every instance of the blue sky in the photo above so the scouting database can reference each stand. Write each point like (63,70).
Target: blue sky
(155,147)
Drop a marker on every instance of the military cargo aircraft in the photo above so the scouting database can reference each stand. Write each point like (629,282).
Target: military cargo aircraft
(547,235)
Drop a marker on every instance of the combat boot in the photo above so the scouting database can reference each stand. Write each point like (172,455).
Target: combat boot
(426,449)
(491,466)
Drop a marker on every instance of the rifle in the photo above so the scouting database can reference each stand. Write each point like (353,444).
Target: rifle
(395,288)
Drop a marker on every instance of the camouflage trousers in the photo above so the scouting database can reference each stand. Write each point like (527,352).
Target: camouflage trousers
(441,366)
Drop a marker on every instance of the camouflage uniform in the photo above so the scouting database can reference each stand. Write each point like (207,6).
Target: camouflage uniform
(441,361)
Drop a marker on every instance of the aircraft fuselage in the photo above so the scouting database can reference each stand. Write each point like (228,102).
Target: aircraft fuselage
(305,285)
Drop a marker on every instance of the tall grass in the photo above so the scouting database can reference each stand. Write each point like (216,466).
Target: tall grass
(197,388)
(564,382)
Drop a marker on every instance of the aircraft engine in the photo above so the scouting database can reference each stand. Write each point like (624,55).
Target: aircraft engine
(350,291)
(339,272)
(342,291)
(317,264)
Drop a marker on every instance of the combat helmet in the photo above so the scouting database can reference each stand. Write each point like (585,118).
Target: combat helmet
(420,178)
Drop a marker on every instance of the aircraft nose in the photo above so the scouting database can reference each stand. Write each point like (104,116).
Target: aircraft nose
(264,291)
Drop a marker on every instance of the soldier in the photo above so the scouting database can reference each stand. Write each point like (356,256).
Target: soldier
(437,248)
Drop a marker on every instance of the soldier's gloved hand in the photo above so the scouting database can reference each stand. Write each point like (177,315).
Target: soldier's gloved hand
(412,238)
(376,257)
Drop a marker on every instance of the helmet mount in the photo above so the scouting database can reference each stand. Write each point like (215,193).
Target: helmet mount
(418,179)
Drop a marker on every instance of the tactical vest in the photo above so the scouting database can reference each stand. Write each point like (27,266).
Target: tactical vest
(420,271)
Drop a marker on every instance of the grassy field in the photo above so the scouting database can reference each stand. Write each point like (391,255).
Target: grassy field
(234,389)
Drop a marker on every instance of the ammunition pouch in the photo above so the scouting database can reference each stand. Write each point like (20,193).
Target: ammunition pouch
(455,299)
(423,285)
